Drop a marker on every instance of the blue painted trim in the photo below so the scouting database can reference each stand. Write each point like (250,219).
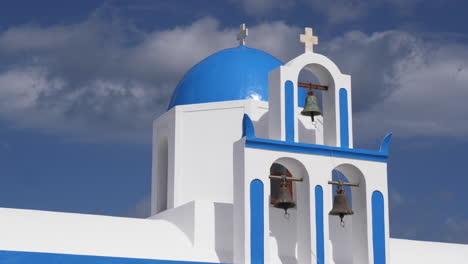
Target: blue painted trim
(257,243)
(269,144)
(320,237)
(289,110)
(248,129)
(384,146)
(378,227)
(344,123)
(20,257)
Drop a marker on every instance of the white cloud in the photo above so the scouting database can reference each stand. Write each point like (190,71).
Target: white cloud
(406,85)
(86,79)
(20,89)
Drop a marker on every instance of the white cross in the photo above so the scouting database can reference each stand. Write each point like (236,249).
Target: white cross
(243,33)
(309,39)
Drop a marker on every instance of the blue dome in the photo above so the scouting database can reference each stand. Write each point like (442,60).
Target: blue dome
(231,74)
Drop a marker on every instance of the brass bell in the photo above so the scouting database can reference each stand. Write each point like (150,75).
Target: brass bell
(285,200)
(311,107)
(341,204)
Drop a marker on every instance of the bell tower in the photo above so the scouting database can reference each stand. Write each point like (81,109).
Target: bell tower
(310,151)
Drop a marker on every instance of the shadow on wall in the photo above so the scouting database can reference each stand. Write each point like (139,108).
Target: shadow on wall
(350,243)
(292,235)
(224,226)
(261,126)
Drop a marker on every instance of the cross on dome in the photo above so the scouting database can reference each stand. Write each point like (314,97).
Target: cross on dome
(309,39)
(242,35)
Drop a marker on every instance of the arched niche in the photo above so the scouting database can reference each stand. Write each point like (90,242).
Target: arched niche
(328,74)
(308,131)
(292,234)
(350,243)
(327,101)
(162,163)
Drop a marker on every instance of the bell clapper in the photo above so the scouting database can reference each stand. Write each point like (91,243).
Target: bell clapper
(286,214)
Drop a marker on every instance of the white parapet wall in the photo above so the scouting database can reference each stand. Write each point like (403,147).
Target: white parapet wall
(193,149)
(162,238)
(404,251)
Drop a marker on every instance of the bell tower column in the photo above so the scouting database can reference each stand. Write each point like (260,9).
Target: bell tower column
(251,196)
(283,95)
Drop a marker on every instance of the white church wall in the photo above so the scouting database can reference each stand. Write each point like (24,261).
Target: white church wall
(196,231)
(276,99)
(206,139)
(67,233)
(372,176)
(208,225)
(308,132)
(200,148)
(411,252)
(163,167)
(255,165)
(259,112)
(241,222)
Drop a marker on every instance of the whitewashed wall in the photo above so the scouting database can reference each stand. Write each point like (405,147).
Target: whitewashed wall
(200,150)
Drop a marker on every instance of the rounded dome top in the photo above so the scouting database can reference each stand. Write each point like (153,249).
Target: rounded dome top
(231,74)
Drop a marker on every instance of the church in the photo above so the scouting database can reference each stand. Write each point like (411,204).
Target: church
(249,166)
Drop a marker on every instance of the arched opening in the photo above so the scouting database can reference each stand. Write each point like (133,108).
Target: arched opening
(323,129)
(308,129)
(307,76)
(349,242)
(275,184)
(291,234)
(162,174)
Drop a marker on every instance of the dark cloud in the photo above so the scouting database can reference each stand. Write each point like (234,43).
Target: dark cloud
(262,7)
(343,11)
(105,79)
(424,95)
(335,11)
(374,63)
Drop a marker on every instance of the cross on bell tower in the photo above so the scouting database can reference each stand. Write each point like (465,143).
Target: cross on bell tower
(309,39)
(242,35)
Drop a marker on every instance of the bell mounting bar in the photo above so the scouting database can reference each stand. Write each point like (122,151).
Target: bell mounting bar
(341,183)
(312,86)
(284,177)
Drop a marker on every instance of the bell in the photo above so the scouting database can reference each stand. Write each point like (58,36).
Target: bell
(285,200)
(311,106)
(341,204)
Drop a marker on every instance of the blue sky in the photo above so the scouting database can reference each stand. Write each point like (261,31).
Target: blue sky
(81,82)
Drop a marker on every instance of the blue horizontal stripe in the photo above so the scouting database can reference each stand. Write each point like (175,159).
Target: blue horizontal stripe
(268,144)
(19,257)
